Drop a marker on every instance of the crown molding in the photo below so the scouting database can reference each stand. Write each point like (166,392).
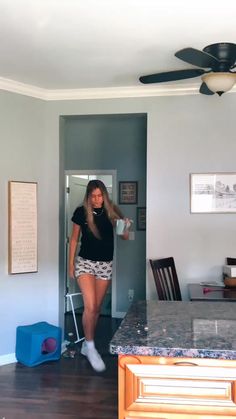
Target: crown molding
(100,93)
(120,92)
(22,89)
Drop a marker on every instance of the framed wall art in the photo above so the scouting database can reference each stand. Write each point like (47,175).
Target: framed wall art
(128,192)
(141,218)
(22,227)
(213,192)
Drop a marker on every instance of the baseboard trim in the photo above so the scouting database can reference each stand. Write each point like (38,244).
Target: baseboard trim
(119,314)
(11,358)
(7,359)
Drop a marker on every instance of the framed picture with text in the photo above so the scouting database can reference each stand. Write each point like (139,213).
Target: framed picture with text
(128,192)
(22,227)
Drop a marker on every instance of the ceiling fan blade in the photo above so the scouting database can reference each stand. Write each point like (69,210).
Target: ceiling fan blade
(197,57)
(171,76)
(204,90)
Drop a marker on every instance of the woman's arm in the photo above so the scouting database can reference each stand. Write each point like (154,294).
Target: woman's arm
(72,248)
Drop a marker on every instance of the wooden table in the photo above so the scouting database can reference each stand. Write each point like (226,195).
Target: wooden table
(199,292)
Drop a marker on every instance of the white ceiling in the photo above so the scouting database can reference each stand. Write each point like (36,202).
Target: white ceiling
(49,45)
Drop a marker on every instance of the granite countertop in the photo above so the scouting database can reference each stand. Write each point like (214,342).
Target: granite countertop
(178,329)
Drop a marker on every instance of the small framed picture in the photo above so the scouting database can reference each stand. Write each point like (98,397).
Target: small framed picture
(128,192)
(213,192)
(141,218)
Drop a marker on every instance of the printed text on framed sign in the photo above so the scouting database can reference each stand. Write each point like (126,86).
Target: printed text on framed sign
(22,227)
(128,192)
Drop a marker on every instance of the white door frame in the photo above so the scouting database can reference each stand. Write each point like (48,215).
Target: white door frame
(112,173)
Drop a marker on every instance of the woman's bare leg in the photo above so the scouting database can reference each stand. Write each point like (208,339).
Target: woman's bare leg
(87,284)
(101,290)
(93,291)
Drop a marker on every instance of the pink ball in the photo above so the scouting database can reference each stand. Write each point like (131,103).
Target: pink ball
(49,345)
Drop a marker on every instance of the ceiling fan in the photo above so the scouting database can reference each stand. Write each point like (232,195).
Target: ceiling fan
(216,61)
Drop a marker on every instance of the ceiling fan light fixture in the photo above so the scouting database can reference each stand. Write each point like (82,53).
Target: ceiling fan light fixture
(219,82)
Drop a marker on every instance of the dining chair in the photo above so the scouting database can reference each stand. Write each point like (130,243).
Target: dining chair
(166,279)
(231,261)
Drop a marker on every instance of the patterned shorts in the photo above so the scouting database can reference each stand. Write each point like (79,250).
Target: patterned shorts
(101,270)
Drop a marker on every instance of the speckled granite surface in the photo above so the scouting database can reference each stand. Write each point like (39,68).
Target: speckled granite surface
(178,329)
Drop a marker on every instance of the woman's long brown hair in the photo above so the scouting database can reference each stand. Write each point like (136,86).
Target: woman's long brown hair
(112,211)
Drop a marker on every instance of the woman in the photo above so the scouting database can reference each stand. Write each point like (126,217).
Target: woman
(94,222)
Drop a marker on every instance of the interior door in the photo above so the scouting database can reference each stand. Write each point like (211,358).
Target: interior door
(76,187)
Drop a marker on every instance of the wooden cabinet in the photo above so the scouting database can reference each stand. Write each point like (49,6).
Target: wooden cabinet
(176,388)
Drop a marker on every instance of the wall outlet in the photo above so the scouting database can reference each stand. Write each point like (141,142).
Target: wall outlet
(130,295)
(131,235)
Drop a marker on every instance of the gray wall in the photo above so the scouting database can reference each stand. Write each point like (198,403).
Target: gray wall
(184,134)
(115,142)
(27,298)
(194,134)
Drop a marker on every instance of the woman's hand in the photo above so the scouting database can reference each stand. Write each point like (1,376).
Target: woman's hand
(128,223)
(125,235)
(72,272)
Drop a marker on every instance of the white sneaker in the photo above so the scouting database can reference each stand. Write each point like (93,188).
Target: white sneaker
(94,358)
(84,350)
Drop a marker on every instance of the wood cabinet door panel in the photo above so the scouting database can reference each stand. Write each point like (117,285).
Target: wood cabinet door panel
(178,388)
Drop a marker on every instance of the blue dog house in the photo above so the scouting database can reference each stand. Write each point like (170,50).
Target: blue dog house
(37,343)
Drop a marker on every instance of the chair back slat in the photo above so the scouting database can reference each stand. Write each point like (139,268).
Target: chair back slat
(166,279)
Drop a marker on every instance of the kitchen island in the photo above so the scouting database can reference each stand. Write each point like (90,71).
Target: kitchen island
(177,360)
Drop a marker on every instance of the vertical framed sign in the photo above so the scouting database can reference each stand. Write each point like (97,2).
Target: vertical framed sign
(22,227)
(141,218)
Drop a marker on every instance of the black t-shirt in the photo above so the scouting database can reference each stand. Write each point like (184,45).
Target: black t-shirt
(91,247)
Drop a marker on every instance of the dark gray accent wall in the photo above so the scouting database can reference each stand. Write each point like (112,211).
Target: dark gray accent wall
(115,142)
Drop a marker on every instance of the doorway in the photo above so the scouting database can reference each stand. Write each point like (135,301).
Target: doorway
(75,187)
(109,142)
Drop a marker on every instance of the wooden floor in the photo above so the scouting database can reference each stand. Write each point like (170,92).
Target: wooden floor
(64,389)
